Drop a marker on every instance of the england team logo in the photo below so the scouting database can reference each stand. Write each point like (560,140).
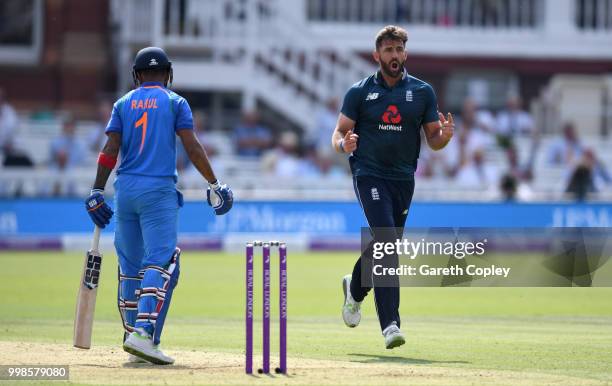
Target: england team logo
(409,96)
(375,195)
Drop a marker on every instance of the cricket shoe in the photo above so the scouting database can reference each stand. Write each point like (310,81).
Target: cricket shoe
(141,345)
(351,312)
(393,336)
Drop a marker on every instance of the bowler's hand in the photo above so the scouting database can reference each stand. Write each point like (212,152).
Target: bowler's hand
(349,142)
(448,126)
(220,197)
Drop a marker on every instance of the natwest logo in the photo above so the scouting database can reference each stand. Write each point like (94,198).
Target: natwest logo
(392,115)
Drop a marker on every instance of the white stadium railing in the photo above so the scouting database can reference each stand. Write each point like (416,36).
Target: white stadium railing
(594,15)
(463,13)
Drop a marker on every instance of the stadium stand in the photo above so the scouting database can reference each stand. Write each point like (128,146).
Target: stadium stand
(288,60)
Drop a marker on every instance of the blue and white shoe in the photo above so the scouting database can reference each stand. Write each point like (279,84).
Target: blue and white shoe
(351,310)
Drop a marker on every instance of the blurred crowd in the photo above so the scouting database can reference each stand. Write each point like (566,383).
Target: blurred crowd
(492,152)
(480,134)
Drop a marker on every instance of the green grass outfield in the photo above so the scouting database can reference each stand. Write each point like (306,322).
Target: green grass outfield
(454,335)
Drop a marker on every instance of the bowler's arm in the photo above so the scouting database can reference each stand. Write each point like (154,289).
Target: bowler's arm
(343,138)
(197,154)
(439,133)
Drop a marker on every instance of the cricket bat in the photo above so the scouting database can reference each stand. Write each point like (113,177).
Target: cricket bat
(86,299)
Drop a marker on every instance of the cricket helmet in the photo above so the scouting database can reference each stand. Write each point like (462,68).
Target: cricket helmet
(151,58)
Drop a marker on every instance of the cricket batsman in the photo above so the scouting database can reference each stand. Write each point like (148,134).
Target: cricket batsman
(144,124)
(379,126)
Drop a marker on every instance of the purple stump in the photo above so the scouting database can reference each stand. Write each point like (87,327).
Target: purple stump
(282,306)
(249,309)
(266,308)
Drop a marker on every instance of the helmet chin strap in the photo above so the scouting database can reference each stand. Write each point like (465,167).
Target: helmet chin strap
(168,83)
(135,78)
(170,75)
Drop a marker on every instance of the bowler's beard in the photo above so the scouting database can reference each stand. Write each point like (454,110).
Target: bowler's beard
(390,70)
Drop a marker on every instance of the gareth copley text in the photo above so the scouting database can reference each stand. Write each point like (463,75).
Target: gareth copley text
(426,270)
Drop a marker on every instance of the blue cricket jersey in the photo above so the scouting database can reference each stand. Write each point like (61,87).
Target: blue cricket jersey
(388,121)
(148,119)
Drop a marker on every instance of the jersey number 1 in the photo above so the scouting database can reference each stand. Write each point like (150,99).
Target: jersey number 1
(142,122)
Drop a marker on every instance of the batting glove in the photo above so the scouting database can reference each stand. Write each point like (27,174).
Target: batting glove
(98,210)
(220,197)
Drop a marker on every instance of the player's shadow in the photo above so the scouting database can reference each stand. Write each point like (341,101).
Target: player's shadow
(368,358)
(151,365)
(157,367)
(141,365)
(173,367)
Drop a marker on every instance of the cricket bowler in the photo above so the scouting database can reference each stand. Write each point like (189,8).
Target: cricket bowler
(144,124)
(379,126)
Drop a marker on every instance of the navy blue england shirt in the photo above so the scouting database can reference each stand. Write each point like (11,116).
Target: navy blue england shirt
(388,121)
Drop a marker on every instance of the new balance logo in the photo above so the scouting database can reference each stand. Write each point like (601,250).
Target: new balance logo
(409,96)
(371,96)
(153,62)
(375,195)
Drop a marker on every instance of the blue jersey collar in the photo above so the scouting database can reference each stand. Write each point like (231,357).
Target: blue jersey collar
(378,79)
(149,84)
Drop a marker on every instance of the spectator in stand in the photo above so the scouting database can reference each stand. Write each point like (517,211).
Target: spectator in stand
(67,150)
(10,154)
(475,174)
(285,159)
(428,163)
(250,138)
(323,128)
(321,163)
(328,167)
(589,176)
(508,186)
(566,150)
(485,120)
(14,157)
(513,121)
(8,123)
(521,171)
(580,183)
(514,183)
(97,136)
(470,137)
